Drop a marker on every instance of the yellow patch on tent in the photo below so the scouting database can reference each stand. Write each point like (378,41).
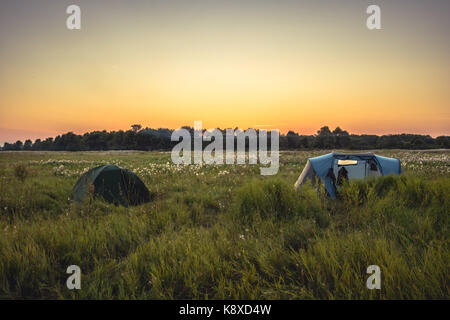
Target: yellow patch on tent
(347,162)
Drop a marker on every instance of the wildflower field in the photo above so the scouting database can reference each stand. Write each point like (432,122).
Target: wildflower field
(223,232)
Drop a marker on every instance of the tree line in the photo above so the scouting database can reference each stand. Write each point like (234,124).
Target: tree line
(160,139)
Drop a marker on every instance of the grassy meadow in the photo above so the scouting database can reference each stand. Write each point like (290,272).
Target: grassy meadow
(223,232)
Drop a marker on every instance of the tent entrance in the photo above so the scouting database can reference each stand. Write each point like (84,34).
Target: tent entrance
(355,169)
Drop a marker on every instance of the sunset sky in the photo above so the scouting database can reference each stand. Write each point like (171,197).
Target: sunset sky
(291,65)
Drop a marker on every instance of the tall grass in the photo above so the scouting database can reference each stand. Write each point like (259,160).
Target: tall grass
(234,236)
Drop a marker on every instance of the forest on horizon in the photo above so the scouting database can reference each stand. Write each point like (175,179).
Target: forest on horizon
(148,139)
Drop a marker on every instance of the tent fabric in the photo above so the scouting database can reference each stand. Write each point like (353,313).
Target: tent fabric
(307,174)
(326,168)
(321,166)
(113,184)
(389,165)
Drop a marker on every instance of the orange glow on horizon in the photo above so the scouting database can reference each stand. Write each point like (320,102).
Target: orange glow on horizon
(278,67)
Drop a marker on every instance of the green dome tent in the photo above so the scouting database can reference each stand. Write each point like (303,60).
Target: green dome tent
(113,184)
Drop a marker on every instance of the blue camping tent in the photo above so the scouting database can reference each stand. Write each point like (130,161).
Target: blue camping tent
(330,169)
